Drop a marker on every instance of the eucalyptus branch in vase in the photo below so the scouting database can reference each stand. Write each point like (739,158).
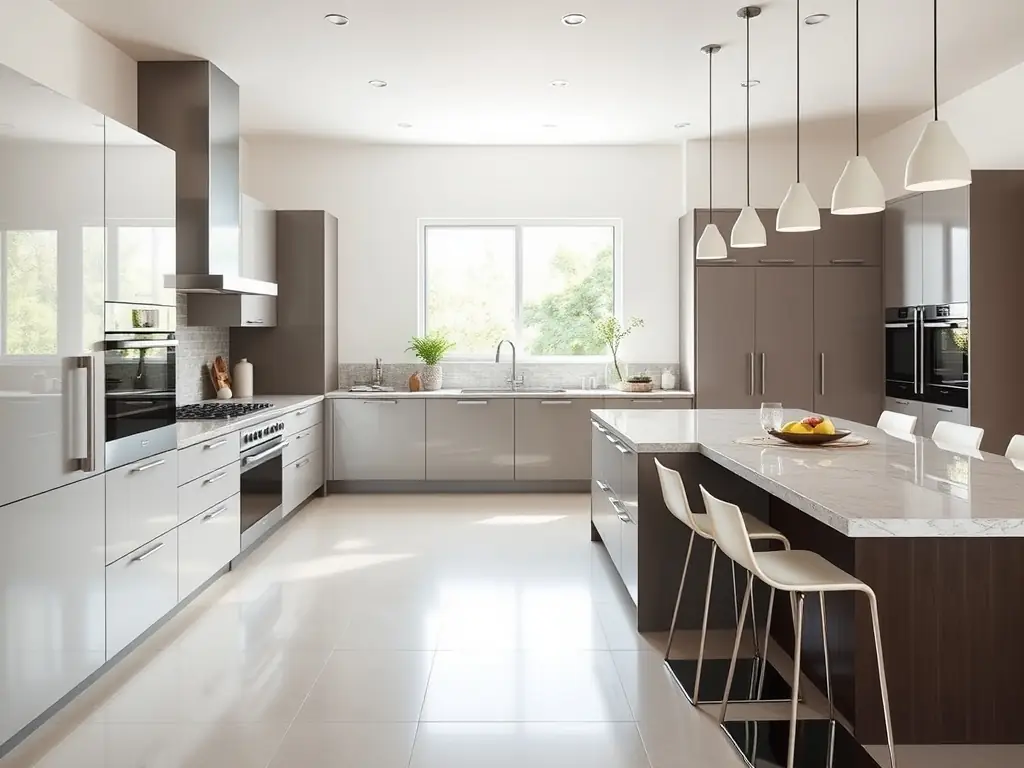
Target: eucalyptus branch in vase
(612,332)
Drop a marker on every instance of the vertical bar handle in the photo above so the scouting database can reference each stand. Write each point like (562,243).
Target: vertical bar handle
(763,356)
(918,331)
(84,403)
(750,361)
(821,389)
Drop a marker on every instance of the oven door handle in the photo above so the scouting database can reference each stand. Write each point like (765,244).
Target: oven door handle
(137,344)
(265,454)
(899,325)
(940,325)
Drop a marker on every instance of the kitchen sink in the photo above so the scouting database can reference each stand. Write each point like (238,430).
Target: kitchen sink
(507,391)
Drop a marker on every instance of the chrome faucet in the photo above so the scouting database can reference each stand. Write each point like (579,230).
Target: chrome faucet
(513,382)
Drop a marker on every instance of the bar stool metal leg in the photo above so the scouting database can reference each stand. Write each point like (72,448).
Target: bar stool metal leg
(704,624)
(767,640)
(679,596)
(828,678)
(736,648)
(881,677)
(798,638)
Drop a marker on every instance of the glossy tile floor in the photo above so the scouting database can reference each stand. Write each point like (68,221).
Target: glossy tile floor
(405,631)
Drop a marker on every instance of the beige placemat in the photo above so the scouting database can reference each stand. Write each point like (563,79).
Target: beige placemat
(762,441)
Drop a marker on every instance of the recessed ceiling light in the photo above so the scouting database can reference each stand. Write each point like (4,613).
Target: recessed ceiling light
(405,125)
(750,83)
(816,18)
(336,19)
(379,83)
(681,125)
(573,19)
(549,125)
(559,83)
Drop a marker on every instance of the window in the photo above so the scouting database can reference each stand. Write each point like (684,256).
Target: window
(543,285)
(28,325)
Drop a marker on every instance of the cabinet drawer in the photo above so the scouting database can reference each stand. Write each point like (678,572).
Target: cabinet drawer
(303,443)
(553,439)
(301,480)
(207,543)
(142,587)
(206,491)
(303,418)
(471,439)
(202,459)
(142,503)
(653,403)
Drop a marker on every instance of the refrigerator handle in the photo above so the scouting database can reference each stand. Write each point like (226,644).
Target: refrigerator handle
(918,364)
(84,437)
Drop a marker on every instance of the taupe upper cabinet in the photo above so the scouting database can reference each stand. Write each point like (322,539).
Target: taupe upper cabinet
(848,341)
(904,256)
(725,337)
(259,240)
(140,217)
(848,240)
(784,336)
(946,247)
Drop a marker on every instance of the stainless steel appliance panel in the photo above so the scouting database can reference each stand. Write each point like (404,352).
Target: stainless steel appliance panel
(945,354)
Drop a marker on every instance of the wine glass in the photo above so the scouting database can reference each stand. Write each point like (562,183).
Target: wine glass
(771,416)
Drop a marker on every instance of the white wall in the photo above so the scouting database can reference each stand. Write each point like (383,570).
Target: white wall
(42,42)
(986,120)
(379,192)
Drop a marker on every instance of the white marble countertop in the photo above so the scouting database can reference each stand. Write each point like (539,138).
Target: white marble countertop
(195,431)
(895,486)
(658,394)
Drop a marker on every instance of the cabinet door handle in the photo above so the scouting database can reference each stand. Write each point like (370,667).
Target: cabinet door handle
(902,402)
(215,479)
(144,555)
(776,261)
(216,513)
(599,428)
(472,402)
(821,390)
(763,356)
(380,402)
(304,434)
(301,411)
(846,261)
(151,465)
(603,486)
(302,463)
(218,444)
(750,360)
(944,410)
(647,401)
(621,448)
(556,402)
(611,439)
(254,322)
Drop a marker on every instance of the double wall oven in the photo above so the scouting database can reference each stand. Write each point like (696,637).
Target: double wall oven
(139,389)
(927,354)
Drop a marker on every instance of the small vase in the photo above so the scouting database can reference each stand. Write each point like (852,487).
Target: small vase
(431,378)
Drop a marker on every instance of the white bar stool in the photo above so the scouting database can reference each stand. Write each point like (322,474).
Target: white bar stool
(890,421)
(1015,450)
(798,572)
(950,435)
(674,494)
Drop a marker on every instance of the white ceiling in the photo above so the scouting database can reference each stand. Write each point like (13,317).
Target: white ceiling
(478,71)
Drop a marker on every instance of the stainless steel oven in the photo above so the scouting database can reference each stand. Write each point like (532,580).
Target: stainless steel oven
(139,389)
(945,352)
(262,471)
(903,352)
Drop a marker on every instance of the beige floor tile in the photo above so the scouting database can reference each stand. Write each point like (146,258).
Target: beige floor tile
(391,626)
(346,745)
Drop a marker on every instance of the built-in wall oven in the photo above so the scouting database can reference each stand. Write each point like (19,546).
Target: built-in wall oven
(927,354)
(139,389)
(262,469)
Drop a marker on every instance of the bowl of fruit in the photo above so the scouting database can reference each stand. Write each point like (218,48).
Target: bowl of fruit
(813,430)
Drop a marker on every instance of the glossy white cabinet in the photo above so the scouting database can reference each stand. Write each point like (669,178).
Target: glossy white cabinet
(932,414)
(52,606)
(259,240)
(552,438)
(911,408)
(212,488)
(207,543)
(376,439)
(614,504)
(301,419)
(206,457)
(142,587)
(302,478)
(142,503)
(302,443)
(471,439)
(51,311)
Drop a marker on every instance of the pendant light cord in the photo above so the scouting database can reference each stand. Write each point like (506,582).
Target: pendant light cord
(798,91)
(935,56)
(856,46)
(711,145)
(748,109)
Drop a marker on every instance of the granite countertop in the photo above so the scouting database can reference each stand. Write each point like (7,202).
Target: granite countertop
(899,486)
(458,394)
(195,431)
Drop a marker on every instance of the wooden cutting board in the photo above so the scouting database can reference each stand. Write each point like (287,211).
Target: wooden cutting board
(219,374)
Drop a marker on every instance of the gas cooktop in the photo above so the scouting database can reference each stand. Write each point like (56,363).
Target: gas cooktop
(219,410)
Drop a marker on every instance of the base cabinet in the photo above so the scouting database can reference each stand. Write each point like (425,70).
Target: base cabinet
(301,480)
(471,439)
(614,504)
(376,439)
(933,414)
(552,439)
(52,619)
(207,543)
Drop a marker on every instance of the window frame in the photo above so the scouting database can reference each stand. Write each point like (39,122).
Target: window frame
(517,225)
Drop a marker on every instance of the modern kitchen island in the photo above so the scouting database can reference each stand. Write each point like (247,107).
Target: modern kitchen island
(938,535)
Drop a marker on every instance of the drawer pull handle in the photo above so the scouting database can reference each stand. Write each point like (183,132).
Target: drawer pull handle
(776,261)
(903,402)
(144,555)
(611,439)
(846,261)
(301,411)
(215,479)
(302,463)
(603,486)
(647,401)
(472,402)
(380,402)
(556,402)
(304,434)
(151,465)
(218,444)
(945,410)
(621,448)
(216,513)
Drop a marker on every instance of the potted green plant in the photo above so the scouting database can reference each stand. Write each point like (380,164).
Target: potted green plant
(431,349)
(612,332)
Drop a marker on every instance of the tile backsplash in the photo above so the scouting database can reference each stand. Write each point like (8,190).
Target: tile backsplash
(197,347)
(457,375)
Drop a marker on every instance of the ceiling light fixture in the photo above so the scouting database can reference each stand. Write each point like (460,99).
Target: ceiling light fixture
(573,19)
(379,83)
(711,244)
(938,161)
(798,212)
(748,231)
(681,125)
(816,18)
(859,190)
(405,125)
(336,19)
(559,83)
(549,125)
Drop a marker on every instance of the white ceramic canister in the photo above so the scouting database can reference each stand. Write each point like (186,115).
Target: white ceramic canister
(243,378)
(668,379)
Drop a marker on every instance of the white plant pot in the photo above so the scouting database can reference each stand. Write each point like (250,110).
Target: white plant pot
(431,378)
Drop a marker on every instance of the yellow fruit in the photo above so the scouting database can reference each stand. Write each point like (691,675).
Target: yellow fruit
(788,426)
(825,428)
(801,429)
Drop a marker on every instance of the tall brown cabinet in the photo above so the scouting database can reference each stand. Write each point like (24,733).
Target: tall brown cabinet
(797,322)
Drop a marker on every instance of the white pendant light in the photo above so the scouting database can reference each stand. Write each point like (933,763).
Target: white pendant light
(859,190)
(711,244)
(798,212)
(748,231)
(938,160)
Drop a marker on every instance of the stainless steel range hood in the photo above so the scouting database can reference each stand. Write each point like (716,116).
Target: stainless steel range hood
(192,107)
